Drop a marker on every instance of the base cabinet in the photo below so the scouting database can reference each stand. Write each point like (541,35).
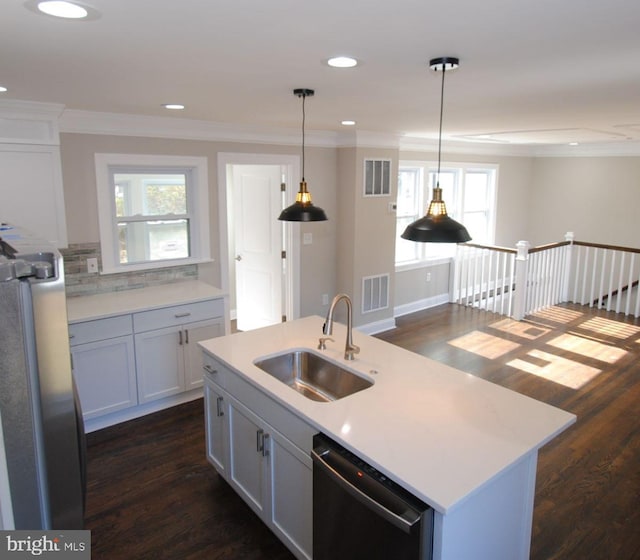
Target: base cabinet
(105,375)
(135,363)
(270,472)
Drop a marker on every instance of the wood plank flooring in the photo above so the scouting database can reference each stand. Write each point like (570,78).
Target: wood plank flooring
(152,494)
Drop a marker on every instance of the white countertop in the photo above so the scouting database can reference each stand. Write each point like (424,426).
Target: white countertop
(99,306)
(439,432)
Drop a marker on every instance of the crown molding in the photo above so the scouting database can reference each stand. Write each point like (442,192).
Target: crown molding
(118,124)
(29,122)
(416,144)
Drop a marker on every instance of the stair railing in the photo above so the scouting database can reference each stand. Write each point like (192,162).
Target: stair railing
(521,281)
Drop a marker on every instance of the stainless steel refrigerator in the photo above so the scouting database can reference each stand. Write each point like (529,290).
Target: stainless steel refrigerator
(39,409)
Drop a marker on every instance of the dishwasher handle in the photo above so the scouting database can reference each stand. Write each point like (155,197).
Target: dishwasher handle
(406,521)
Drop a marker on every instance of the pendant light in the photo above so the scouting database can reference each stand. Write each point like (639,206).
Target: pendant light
(436,226)
(303,210)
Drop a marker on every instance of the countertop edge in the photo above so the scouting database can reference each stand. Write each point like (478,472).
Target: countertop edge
(111,304)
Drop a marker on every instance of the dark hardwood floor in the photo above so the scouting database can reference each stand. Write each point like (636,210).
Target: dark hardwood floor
(151,493)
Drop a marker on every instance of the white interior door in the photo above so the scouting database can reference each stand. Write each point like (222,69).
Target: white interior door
(257,202)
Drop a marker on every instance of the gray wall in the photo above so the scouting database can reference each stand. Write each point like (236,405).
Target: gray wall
(538,199)
(317,261)
(598,198)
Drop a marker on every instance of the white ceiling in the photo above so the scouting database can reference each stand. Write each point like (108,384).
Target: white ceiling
(532,71)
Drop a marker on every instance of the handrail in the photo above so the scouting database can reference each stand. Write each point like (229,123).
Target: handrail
(609,247)
(490,247)
(549,246)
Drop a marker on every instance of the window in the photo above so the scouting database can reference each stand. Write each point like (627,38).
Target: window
(469,193)
(153,211)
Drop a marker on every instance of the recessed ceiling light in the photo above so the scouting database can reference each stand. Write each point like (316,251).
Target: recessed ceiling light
(348,123)
(342,62)
(2,89)
(174,106)
(63,9)
(573,144)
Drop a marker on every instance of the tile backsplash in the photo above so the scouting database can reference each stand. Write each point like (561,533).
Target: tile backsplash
(79,282)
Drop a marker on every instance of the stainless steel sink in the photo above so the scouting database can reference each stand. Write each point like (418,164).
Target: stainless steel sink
(313,376)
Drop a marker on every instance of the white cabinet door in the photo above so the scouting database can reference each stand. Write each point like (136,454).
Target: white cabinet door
(159,363)
(291,489)
(34,197)
(105,375)
(216,426)
(192,334)
(247,467)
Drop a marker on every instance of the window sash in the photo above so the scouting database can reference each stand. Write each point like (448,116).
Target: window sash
(191,212)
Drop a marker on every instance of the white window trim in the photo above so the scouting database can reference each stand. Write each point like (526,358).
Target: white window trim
(200,242)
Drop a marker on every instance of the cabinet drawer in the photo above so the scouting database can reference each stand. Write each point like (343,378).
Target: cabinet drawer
(290,425)
(177,315)
(213,370)
(100,329)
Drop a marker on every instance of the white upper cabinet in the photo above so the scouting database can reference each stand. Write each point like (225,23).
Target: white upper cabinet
(32,194)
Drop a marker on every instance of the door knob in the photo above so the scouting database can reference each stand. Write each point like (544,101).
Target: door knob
(239,258)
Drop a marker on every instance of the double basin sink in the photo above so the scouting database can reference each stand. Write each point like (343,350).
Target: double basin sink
(312,375)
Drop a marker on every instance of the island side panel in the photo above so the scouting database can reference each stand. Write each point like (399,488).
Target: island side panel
(493,523)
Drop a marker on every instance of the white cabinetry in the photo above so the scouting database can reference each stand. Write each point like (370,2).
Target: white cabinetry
(30,163)
(132,364)
(254,443)
(103,365)
(168,360)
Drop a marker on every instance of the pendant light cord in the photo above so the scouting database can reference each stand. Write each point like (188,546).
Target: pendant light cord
(440,131)
(303,119)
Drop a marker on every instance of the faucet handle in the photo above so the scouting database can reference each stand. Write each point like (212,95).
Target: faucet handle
(350,350)
(322,342)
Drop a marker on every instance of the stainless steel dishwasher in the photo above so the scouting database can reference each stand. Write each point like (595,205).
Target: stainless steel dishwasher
(359,514)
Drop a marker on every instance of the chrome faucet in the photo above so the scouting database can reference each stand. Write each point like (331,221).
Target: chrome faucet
(350,348)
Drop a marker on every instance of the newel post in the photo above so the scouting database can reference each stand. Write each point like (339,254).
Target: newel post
(522,271)
(566,272)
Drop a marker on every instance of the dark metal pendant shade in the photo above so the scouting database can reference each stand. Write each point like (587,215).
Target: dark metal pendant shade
(303,210)
(436,226)
(440,229)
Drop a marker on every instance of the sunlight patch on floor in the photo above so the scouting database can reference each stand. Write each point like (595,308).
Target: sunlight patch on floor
(485,345)
(607,327)
(588,348)
(566,372)
(520,328)
(558,314)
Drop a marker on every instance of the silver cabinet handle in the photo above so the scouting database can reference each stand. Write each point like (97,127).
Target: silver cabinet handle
(180,315)
(180,338)
(186,336)
(265,445)
(239,258)
(209,369)
(219,410)
(260,441)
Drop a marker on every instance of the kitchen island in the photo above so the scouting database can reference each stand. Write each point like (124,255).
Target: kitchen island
(466,447)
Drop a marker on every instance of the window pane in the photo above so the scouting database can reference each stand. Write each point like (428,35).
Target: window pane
(476,224)
(475,191)
(408,194)
(146,194)
(406,251)
(153,240)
